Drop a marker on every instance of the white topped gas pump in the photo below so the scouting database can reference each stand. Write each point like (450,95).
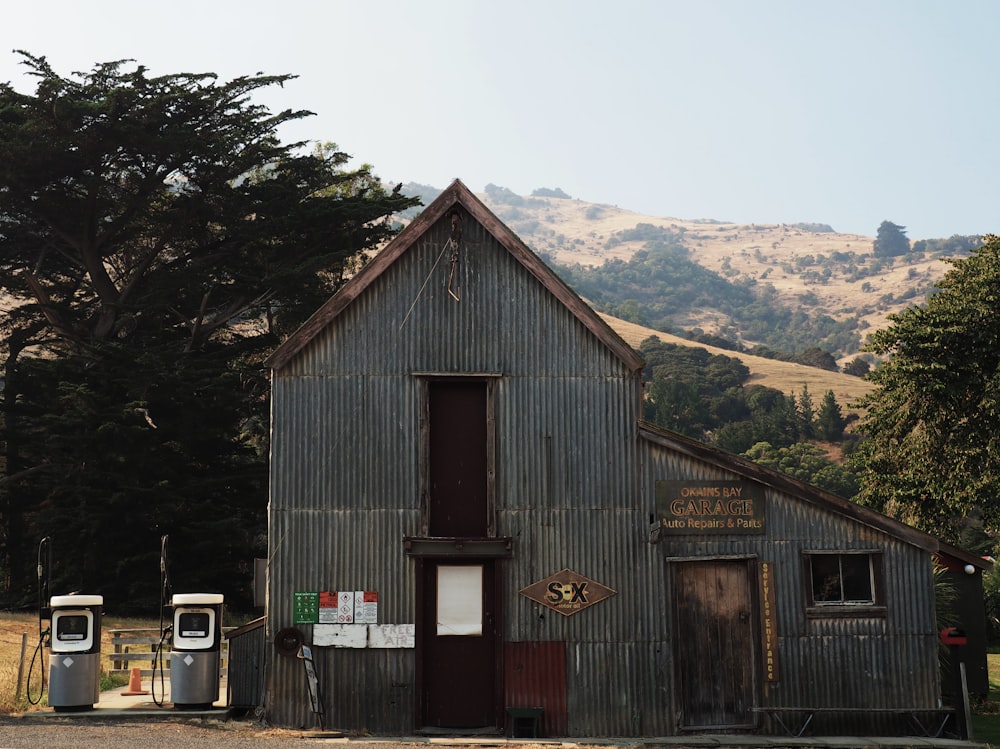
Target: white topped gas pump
(195,655)
(75,651)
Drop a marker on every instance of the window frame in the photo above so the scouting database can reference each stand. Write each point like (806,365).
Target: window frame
(832,609)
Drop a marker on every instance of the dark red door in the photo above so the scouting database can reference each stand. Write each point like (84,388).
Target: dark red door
(457,461)
(459,644)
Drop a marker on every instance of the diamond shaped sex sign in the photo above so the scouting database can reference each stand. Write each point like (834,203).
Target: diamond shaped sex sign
(567,592)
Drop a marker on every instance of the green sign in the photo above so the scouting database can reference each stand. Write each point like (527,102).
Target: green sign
(710,507)
(305,608)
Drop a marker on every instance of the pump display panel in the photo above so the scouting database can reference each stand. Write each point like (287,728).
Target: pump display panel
(194,628)
(73,631)
(194,624)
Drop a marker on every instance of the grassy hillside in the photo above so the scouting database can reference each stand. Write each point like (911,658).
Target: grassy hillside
(784,376)
(794,259)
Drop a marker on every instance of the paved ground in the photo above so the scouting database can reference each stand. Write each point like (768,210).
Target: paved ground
(135,722)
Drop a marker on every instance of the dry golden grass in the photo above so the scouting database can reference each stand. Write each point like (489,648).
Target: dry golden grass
(574,231)
(12,627)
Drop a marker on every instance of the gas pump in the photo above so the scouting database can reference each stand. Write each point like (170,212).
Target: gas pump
(195,657)
(75,652)
(195,632)
(73,637)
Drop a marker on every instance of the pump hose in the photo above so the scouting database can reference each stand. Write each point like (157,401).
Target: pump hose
(165,631)
(158,665)
(39,657)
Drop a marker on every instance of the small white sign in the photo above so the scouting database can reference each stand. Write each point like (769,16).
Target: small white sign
(345,607)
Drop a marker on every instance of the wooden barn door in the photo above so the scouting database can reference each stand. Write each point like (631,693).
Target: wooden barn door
(459,613)
(714,616)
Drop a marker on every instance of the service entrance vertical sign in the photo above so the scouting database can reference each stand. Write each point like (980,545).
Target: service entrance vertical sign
(768,623)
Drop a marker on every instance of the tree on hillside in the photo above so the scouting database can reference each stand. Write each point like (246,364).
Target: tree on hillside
(857,367)
(830,420)
(891,240)
(805,413)
(159,240)
(814,356)
(931,453)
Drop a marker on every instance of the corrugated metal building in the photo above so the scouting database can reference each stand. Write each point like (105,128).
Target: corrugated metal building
(468,519)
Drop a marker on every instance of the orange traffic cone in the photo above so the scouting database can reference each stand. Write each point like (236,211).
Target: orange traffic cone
(135,684)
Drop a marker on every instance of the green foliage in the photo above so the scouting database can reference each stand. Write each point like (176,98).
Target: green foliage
(691,391)
(813,227)
(546,192)
(932,452)
(891,240)
(503,195)
(814,356)
(991,593)
(160,241)
(956,244)
(704,396)
(806,462)
(830,420)
(857,367)
(662,279)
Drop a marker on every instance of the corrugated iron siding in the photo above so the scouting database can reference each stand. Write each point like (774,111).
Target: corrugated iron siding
(878,662)
(574,488)
(345,481)
(245,677)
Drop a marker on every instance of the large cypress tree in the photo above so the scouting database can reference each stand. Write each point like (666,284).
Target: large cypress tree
(157,240)
(931,453)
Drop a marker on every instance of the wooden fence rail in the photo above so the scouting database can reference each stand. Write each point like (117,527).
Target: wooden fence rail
(136,648)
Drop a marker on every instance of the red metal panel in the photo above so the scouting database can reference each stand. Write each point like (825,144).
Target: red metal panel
(535,676)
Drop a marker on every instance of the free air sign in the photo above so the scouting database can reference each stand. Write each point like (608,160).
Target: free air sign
(567,592)
(710,507)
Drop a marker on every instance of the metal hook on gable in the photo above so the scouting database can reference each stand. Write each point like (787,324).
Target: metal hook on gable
(455,240)
(456,292)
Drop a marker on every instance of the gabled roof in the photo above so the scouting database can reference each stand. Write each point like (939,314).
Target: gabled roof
(788,485)
(457,194)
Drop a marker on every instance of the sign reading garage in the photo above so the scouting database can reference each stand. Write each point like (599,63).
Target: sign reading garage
(710,506)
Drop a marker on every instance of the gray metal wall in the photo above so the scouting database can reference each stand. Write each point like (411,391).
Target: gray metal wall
(245,675)
(877,662)
(345,478)
(574,488)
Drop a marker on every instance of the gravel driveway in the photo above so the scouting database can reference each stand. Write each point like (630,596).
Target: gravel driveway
(55,733)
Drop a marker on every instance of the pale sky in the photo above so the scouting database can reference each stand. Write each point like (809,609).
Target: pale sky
(844,112)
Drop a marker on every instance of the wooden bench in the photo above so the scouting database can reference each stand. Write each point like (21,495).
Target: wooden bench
(137,648)
(929,721)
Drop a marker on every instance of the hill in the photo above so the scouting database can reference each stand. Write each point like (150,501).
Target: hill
(810,266)
(784,376)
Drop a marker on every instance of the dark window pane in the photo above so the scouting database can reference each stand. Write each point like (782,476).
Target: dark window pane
(857,578)
(826,578)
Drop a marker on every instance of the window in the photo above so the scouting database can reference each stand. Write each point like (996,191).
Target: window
(460,600)
(842,579)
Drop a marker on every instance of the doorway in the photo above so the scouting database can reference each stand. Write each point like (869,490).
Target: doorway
(716,655)
(459,632)
(459,644)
